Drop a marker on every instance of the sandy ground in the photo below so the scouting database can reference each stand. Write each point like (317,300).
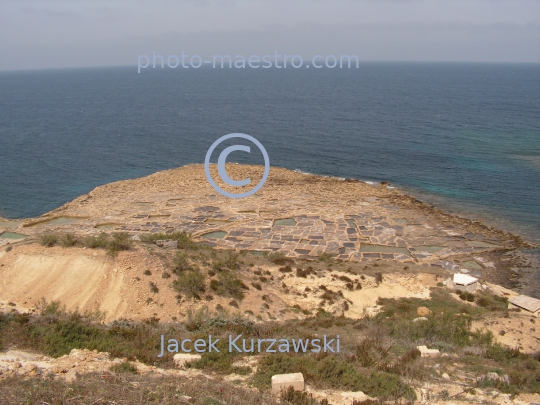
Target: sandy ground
(519,330)
(88,280)
(81,279)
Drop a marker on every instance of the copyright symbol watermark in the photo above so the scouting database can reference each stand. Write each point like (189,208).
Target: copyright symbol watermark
(221,165)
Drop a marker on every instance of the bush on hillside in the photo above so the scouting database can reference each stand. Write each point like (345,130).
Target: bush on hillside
(48,240)
(190,283)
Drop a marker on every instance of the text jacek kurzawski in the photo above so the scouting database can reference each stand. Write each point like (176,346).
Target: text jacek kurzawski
(242,345)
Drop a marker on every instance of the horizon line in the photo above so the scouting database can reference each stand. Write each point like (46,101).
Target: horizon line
(134,66)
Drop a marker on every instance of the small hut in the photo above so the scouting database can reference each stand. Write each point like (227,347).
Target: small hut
(464,282)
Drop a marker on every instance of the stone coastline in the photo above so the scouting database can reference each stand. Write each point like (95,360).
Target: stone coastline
(301,215)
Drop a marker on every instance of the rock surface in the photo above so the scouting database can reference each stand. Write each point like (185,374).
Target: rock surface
(281,382)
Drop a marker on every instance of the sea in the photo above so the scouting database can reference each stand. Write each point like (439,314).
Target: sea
(463,136)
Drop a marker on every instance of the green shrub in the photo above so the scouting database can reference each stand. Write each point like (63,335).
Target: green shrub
(332,372)
(93,242)
(304,273)
(184,239)
(120,241)
(279,258)
(115,243)
(492,302)
(285,269)
(325,257)
(69,334)
(124,367)
(290,396)
(228,285)
(502,354)
(481,338)
(283,364)
(219,362)
(444,395)
(8,249)
(181,262)
(190,283)
(53,308)
(68,240)
(466,296)
(231,262)
(48,240)
(153,288)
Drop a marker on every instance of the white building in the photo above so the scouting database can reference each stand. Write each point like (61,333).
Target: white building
(464,282)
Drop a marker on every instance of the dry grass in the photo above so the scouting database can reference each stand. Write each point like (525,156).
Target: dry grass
(110,388)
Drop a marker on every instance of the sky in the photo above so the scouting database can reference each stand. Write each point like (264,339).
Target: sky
(37,34)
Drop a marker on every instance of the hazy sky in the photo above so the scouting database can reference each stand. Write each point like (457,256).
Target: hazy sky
(72,33)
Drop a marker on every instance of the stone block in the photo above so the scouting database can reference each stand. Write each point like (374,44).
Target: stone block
(357,396)
(425,352)
(182,358)
(167,243)
(284,381)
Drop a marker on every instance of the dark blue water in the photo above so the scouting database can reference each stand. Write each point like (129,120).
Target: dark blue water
(466,136)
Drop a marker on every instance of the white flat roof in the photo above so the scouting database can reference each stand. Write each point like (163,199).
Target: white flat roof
(529,303)
(464,279)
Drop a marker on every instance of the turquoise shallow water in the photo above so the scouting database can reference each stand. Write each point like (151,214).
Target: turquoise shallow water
(464,136)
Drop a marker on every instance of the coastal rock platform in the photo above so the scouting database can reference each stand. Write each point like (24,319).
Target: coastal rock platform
(302,215)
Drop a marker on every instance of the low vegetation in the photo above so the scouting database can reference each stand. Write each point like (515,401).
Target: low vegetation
(227,284)
(279,258)
(129,388)
(230,262)
(326,371)
(190,283)
(181,263)
(381,360)
(113,243)
(378,356)
(68,240)
(48,240)
(184,239)
(95,242)
(119,241)
(124,367)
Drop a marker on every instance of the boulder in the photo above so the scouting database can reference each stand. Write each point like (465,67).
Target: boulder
(355,396)
(420,318)
(180,359)
(492,376)
(167,243)
(71,375)
(58,369)
(284,381)
(423,311)
(425,352)
(29,369)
